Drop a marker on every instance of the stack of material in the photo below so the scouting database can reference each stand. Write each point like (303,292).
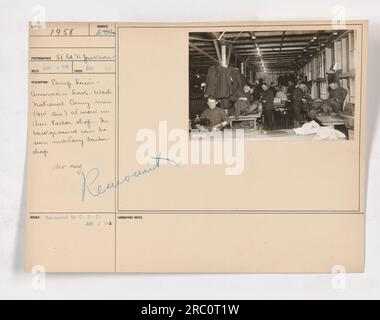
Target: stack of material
(317,107)
(321,133)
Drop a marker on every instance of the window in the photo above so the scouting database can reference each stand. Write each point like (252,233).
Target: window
(351,50)
(344,60)
(352,55)
(338,54)
(341,55)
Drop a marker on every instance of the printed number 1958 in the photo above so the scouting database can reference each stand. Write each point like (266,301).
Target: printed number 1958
(61,32)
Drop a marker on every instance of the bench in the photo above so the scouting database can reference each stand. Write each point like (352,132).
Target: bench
(250,117)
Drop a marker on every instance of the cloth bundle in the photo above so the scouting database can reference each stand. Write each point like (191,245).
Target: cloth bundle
(218,82)
(223,83)
(321,133)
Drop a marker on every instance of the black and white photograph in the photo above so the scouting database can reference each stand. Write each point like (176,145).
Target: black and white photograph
(275,84)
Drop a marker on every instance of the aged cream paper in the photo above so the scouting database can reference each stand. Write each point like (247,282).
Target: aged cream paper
(295,206)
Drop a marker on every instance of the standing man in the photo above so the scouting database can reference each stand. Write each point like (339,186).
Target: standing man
(267,99)
(290,90)
(242,101)
(273,88)
(298,104)
(261,81)
(256,93)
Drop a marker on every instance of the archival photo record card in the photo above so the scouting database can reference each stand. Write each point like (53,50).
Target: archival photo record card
(197,147)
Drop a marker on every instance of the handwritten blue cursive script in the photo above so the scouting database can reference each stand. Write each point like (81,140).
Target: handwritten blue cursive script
(91,188)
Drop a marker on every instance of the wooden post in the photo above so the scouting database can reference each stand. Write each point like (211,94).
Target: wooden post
(218,51)
(224,56)
(229,55)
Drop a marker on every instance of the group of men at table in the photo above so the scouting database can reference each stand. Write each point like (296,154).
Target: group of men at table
(251,97)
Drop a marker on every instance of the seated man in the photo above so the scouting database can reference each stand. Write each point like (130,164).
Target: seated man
(243,102)
(216,117)
(337,97)
(334,104)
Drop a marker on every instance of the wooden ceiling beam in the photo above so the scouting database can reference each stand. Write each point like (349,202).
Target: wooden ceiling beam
(203,52)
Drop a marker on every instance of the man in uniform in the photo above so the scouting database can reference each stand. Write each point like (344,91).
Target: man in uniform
(267,99)
(298,104)
(214,115)
(337,96)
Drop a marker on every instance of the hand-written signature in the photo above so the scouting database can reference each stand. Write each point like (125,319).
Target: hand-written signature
(91,188)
